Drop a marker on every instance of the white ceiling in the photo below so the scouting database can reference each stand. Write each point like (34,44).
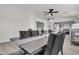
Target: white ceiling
(65,10)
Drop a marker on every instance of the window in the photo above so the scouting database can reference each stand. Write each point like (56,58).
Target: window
(40,25)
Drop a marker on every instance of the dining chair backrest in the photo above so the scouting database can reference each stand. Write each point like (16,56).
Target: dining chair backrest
(50,44)
(58,44)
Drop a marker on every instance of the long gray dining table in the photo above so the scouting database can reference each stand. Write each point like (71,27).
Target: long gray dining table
(34,46)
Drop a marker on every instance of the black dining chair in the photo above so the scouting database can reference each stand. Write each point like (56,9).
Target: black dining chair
(54,44)
(50,44)
(58,44)
(34,33)
(23,34)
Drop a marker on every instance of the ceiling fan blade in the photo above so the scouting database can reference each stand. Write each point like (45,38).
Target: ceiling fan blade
(51,9)
(45,12)
(55,12)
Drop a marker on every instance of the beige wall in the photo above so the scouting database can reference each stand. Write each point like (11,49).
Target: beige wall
(12,19)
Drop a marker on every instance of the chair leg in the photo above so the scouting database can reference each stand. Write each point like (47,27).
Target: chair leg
(61,51)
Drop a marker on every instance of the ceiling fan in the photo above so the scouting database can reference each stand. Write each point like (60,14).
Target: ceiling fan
(51,11)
